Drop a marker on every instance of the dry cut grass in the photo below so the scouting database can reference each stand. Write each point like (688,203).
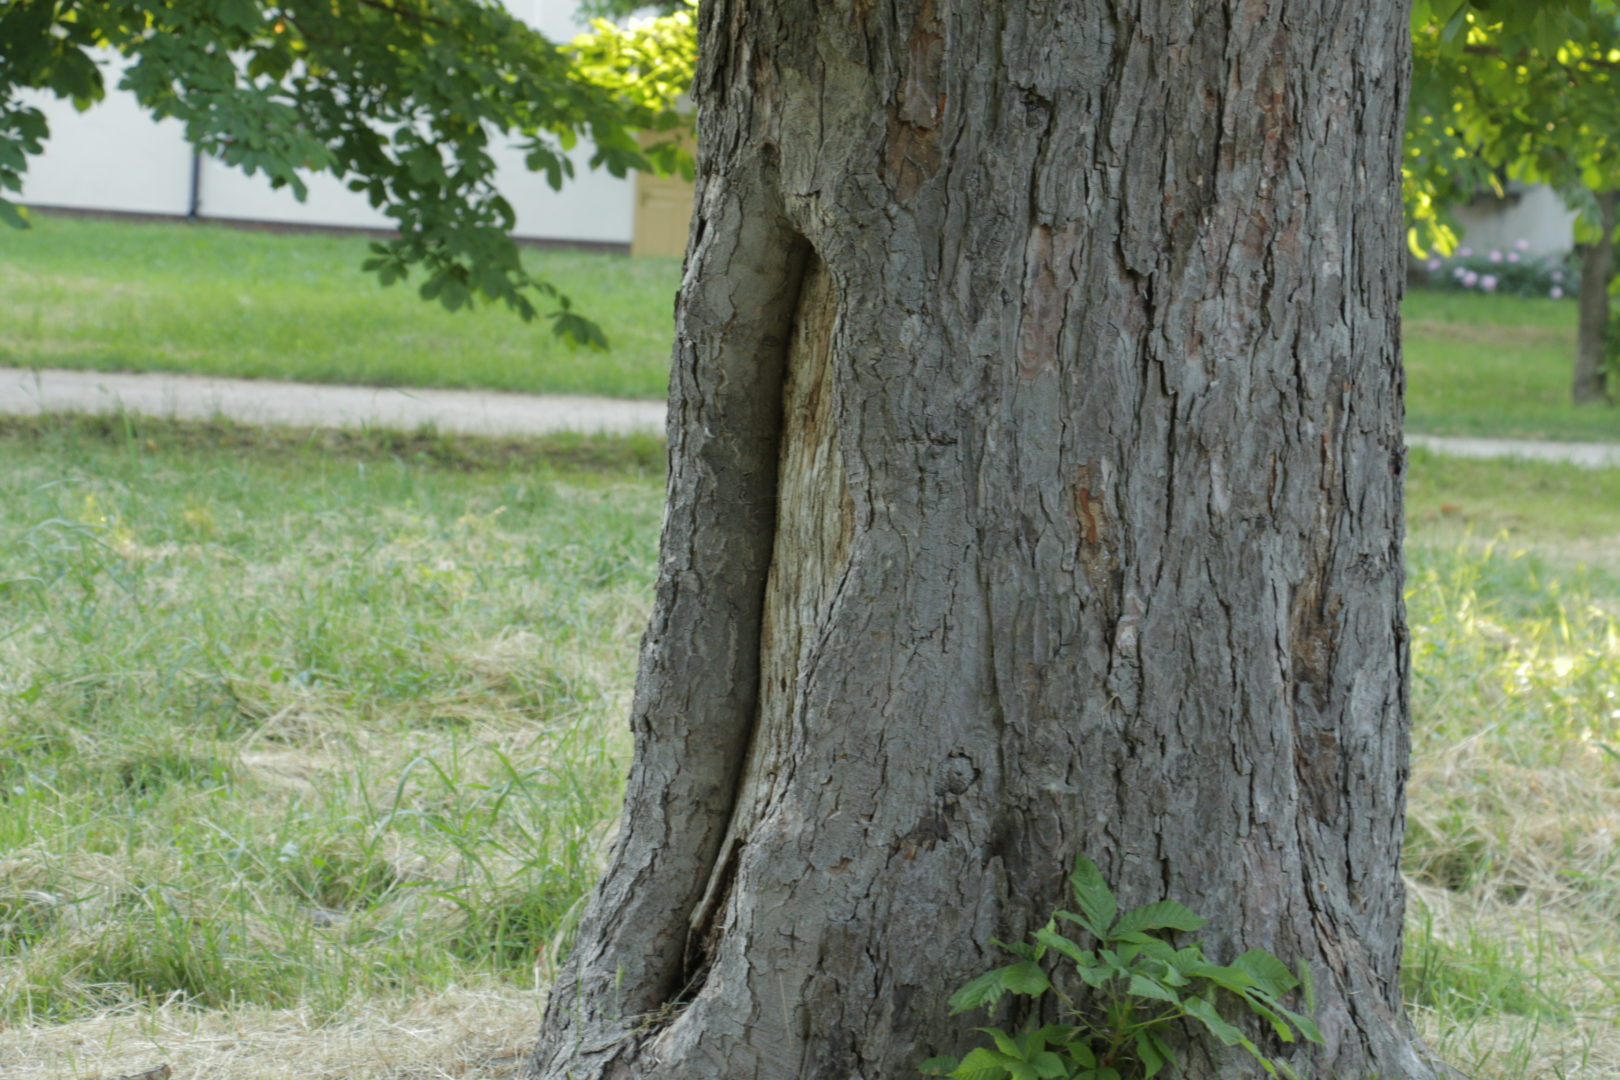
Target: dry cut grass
(464,1033)
(1513,837)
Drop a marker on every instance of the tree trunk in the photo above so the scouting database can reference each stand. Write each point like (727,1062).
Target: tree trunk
(1597,270)
(1036,460)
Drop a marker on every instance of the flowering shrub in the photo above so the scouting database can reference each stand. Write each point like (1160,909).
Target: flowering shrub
(1514,271)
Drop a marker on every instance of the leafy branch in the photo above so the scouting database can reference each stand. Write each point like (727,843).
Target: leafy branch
(1143,988)
(401,99)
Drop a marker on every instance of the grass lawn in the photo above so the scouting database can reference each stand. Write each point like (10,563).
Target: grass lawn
(205,298)
(309,745)
(1496,366)
(220,301)
(305,727)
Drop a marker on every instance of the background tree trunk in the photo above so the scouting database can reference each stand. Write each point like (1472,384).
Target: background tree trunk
(1035,489)
(1597,270)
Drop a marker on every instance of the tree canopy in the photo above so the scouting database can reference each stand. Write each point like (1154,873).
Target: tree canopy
(1498,94)
(401,98)
(1521,90)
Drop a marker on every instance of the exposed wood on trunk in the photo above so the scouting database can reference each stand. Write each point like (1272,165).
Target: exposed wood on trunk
(1081,474)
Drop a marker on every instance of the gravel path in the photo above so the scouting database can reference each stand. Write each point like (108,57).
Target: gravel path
(468,412)
(476,412)
(1592,455)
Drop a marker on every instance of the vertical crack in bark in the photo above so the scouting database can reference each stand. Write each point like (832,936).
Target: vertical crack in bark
(706,925)
(697,685)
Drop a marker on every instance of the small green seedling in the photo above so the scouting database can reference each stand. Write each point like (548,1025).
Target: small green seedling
(1142,988)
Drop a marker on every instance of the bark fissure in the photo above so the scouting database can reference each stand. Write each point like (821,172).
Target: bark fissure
(645,937)
(706,923)
(806,410)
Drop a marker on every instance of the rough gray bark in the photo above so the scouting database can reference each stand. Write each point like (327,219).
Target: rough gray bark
(1035,489)
(1597,270)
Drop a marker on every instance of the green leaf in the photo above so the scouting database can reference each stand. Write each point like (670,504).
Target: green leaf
(1094,897)
(1262,1007)
(1269,973)
(1307,987)
(1018,949)
(1048,1065)
(1078,920)
(1148,1054)
(1307,1027)
(1204,1012)
(13,215)
(1005,1043)
(241,14)
(976,993)
(1081,1054)
(1025,978)
(1254,1052)
(578,329)
(1095,976)
(1162,951)
(1112,962)
(1229,978)
(982,1063)
(1189,959)
(1160,1046)
(1048,936)
(1163,915)
(1142,986)
(943,1065)
(1172,976)
(1053,1034)
(454,296)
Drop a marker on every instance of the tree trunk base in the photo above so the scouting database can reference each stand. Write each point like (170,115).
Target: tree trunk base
(1036,464)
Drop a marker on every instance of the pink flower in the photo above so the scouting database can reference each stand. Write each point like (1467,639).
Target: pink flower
(1434,264)
(1488,282)
(1496,256)
(1556,293)
(1522,245)
(1513,256)
(1460,272)
(1463,253)
(1470,279)
(1558,275)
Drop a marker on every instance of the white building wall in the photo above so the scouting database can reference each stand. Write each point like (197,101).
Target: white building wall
(1536,215)
(226,193)
(113,157)
(116,158)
